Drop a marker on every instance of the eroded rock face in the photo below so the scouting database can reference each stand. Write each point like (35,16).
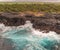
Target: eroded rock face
(12,19)
(48,22)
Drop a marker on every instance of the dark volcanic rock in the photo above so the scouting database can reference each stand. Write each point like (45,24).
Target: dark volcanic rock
(48,22)
(11,19)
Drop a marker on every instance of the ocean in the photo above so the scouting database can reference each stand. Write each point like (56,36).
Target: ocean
(25,37)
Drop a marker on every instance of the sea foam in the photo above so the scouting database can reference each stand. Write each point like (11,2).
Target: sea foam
(25,37)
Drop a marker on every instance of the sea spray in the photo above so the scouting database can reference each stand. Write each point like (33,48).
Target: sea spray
(25,37)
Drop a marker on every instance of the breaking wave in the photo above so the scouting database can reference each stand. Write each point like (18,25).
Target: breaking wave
(25,37)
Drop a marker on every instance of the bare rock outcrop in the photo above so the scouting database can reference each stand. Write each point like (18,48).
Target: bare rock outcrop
(47,22)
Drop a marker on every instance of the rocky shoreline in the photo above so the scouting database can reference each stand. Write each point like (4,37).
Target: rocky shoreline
(43,21)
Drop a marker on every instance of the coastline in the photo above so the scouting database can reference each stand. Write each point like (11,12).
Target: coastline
(43,21)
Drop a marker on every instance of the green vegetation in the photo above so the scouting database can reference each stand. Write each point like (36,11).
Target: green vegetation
(36,7)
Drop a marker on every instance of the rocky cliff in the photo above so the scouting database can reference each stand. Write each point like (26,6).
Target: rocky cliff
(47,22)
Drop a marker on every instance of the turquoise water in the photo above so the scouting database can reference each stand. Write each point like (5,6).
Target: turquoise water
(26,39)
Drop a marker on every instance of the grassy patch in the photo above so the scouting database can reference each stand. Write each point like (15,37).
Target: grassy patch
(27,6)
